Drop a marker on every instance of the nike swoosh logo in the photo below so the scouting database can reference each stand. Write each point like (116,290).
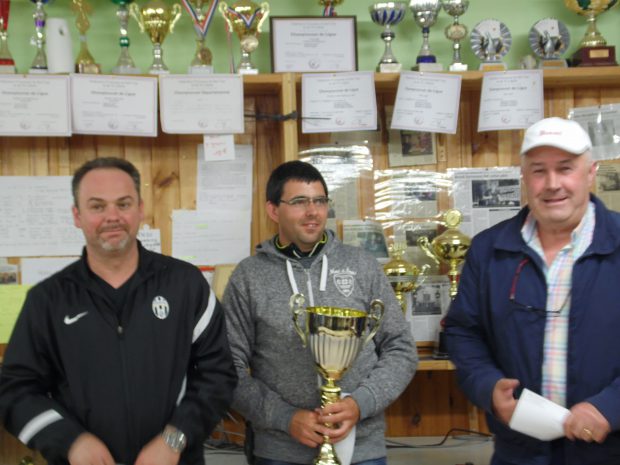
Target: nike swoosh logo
(70,320)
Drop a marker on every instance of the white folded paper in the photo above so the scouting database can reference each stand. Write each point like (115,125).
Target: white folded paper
(344,448)
(538,417)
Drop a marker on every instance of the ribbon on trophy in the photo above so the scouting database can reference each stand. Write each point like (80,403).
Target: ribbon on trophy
(201,21)
(247,20)
(329,9)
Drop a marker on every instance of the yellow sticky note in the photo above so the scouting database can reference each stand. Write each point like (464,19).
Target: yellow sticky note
(11,301)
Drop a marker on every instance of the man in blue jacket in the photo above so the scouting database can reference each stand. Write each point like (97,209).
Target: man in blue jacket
(538,307)
(121,357)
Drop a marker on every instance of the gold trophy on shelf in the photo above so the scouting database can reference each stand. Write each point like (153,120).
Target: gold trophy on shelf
(157,19)
(335,336)
(245,18)
(84,63)
(201,12)
(450,247)
(593,49)
(404,277)
(329,7)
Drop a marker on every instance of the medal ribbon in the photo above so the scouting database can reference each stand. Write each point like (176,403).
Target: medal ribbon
(201,27)
(248,21)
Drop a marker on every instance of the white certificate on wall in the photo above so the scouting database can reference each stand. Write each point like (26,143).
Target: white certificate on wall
(319,44)
(201,104)
(338,102)
(511,100)
(114,105)
(34,105)
(427,102)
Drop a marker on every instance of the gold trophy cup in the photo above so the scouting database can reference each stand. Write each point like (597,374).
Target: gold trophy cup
(84,63)
(404,277)
(157,19)
(593,49)
(450,247)
(245,18)
(335,336)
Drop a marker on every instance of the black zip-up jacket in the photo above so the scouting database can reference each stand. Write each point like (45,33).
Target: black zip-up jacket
(71,366)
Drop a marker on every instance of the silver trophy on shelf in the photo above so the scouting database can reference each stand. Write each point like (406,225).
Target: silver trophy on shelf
(125,63)
(388,14)
(491,41)
(425,15)
(549,39)
(39,64)
(456,31)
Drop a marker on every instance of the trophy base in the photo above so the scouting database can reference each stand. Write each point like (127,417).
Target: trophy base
(457,67)
(551,64)
(38,71)
(8,69)
(428,67)
(87,68)
(389,67)
(247,71)
(159,71)
(595,56)
(493,66)
(126,70)
(200,69)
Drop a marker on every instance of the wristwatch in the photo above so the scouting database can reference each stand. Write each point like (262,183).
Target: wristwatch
(175,438)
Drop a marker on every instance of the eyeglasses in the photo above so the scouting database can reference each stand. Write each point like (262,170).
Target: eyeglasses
(302,202)
(531,308)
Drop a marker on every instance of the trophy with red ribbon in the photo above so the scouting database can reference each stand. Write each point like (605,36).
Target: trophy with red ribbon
(201,12)
(7,65)
(245,18)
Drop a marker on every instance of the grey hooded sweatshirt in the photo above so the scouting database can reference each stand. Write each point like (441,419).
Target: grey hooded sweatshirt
(276,373)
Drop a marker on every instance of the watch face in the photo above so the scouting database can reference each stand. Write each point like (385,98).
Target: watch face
(549,38)
(490,40)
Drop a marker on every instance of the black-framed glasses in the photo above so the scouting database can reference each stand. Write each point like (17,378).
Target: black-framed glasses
(531,308)
(303,202)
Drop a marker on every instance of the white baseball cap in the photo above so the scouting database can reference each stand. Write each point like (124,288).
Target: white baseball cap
(556,132)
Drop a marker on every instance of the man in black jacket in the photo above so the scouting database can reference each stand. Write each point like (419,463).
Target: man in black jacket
(121,357)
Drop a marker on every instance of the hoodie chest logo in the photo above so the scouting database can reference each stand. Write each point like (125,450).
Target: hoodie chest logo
(344,280)
(160,307)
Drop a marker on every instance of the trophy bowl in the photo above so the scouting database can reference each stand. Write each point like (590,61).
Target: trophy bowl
(456,31)
(157,19)
(591,9)
(404,277)
(335,337)
(246,19)
(450,247)
(425,15)
(388,14)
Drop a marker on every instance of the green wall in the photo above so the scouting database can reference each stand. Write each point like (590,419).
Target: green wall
(518,15)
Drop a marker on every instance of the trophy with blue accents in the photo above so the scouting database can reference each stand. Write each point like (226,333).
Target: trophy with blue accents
(388,14)
(425,14)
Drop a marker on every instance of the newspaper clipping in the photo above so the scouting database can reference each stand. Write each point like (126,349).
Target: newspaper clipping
(608,185)
(602,123)
(366,234)
(429,305)
(486,196)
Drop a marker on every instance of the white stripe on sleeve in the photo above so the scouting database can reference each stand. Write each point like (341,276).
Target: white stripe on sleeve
(206,317)
(37,424)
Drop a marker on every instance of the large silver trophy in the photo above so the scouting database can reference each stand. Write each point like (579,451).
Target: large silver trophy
(456,31)
(388,14)
(425,15)
(335,336)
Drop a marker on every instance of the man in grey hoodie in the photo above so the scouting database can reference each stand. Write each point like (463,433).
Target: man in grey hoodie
(278,385)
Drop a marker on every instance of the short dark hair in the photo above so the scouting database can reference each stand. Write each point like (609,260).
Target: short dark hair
(102,163)
(291,170)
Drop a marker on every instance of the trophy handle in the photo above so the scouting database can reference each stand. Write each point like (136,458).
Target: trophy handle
(134,11)
(424,244)
(176,11)
(265,9)
(223,7)
(377,309)
(296,304)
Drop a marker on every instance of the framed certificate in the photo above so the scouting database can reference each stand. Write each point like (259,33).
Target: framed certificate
(313,44)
